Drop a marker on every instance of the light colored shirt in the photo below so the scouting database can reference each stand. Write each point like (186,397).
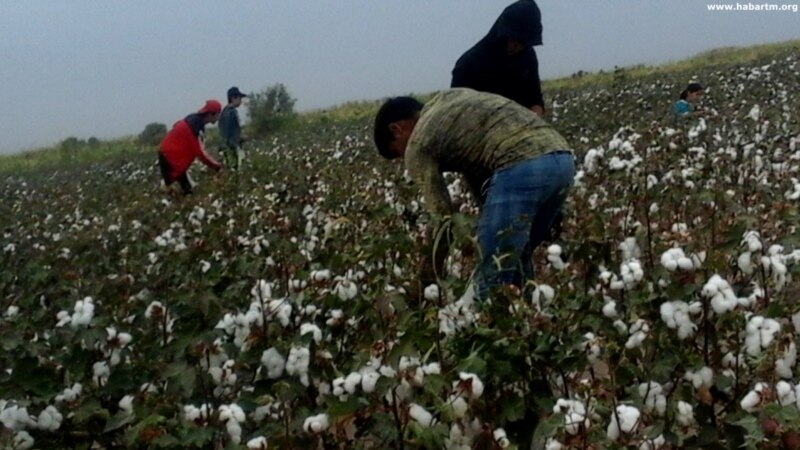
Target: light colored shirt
(475,134)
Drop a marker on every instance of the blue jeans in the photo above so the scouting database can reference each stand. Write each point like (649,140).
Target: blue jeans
(521,203)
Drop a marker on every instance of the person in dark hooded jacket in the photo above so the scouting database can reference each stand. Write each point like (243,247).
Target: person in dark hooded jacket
(504,61)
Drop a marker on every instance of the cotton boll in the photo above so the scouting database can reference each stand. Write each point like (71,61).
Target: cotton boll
(368,380)
(784,365)
(22,440)
(259,443)
(352,382)
(470,384)
(628,420)
(685,263)
(338,386)
(610,309)
(274,362)
(685,414)
(49,419)
(420,415)
(346,290)
(796,322)
(458,405)
(653,444)
(745,263)
(638,333)
(629,248)
(575,415)
(752,240)
(70,394)
(544,294)
(752,400)
(500,438)
(313,329)
(101,372)
(785,393)
(126,404)
(432,292)
(553,444)
(320,275)
(297,363)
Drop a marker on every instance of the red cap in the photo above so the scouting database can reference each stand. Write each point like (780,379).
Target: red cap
(211,106)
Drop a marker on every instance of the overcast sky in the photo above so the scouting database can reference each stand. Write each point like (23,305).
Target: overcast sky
(106,68)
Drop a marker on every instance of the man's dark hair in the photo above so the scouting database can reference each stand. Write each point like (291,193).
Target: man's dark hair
(393,110)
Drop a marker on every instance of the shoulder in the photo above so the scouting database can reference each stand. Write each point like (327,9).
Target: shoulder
(682,106)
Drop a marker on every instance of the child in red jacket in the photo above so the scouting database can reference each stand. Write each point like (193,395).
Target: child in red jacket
(184,143)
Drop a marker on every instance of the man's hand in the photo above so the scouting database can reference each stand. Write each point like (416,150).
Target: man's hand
(538,110)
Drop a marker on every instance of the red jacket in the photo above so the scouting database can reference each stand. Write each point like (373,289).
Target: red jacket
(182,145)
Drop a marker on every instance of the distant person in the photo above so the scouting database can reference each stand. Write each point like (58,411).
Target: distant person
(689,103)
(231,130)
(515,163)
(184,143)
(504,61)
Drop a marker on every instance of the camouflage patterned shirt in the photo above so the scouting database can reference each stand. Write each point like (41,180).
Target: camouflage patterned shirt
(475,134)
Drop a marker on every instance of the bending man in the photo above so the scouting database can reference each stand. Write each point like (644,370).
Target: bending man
(515,163)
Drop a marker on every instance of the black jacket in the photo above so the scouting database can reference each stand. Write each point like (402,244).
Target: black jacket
(487,67)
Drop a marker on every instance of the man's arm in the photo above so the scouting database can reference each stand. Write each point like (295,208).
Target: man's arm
(535,86)
(236,129)
(207,159)
(424,170)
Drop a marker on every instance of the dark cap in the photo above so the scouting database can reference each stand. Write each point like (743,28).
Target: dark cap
(235,92)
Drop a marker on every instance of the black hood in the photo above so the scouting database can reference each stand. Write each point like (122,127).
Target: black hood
(521,21)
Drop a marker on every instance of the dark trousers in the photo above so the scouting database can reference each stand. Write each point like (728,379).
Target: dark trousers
(166,173)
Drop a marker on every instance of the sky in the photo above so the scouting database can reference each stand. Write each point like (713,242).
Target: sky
(107,68)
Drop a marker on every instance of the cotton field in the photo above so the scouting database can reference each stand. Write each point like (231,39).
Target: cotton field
(280,307)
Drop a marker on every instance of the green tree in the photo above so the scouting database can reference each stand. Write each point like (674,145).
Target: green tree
(153,134)
(69,147)
(271,109)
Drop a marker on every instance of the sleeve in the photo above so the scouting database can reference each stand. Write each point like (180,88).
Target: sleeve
(535,83)
(235,129)
(207,159)
(424,170)
(682,108)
